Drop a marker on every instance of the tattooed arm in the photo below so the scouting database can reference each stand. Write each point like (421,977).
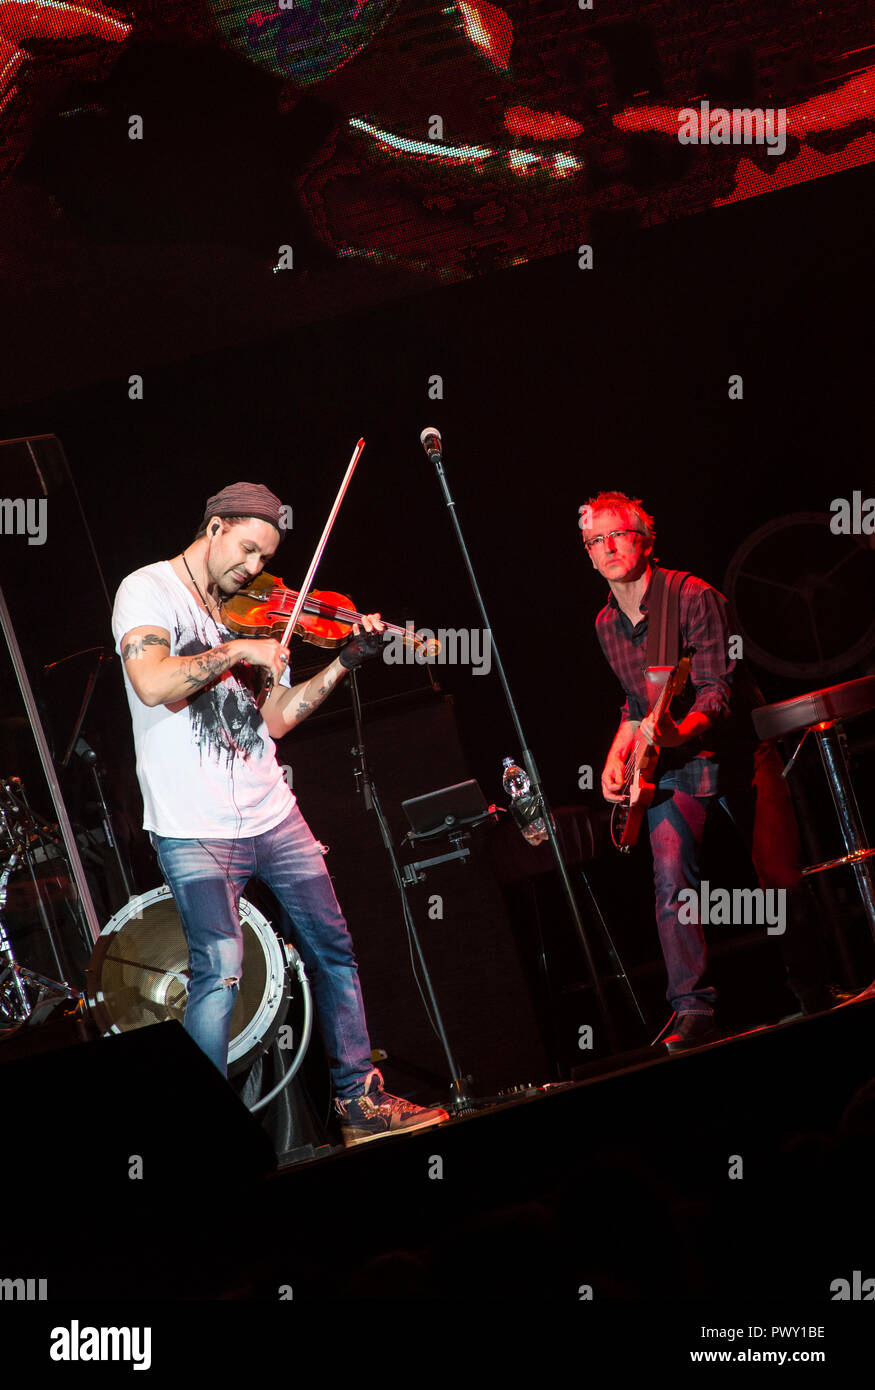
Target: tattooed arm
(160,679)
(284,707)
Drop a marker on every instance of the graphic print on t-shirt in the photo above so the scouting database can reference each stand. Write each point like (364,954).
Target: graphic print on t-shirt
(224,717)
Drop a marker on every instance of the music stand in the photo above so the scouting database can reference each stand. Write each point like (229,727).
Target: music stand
(452,811)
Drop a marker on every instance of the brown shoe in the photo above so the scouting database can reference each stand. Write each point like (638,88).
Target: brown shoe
(375,1113)
(691,1030)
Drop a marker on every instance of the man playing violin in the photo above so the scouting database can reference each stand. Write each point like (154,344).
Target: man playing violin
(712,754)
(216,805)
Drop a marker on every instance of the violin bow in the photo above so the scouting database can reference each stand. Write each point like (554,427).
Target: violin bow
(308,578)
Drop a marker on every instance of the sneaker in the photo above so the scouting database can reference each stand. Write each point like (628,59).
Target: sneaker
(375,1113)
(691,1030)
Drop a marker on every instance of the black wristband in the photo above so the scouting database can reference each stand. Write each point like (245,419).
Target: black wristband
(360,649)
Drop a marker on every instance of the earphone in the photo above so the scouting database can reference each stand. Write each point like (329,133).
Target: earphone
(215,529)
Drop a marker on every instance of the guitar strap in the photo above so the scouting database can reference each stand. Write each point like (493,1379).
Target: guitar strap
(663,617)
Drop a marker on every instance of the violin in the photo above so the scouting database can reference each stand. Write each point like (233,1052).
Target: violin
(263,608)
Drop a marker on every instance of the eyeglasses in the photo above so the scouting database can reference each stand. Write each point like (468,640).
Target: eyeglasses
(614,536)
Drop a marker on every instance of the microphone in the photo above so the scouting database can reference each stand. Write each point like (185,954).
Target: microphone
(430,439)
(84,751)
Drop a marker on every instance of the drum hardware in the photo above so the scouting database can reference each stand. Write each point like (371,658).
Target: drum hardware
(85,907)
(25,835)
(49,992)
(89,841)
(14,1003)
(19,829)
(15,1006)
(138,975)
(42,853)
(59,988)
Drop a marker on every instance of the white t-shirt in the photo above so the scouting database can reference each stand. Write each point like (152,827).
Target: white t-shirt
(209,769)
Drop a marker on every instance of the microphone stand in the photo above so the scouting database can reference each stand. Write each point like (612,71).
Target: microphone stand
(89,758)
(460,1102)
(436,457)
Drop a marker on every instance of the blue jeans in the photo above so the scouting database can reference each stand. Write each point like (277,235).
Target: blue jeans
(754,794)
(207,878)
(677,822)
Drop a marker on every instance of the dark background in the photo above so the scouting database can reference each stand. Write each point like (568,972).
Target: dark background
(556,382)
(156,257)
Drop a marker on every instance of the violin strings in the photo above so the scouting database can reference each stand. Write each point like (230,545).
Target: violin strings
(327,610)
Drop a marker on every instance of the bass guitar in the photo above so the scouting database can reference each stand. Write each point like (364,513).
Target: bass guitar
(639,781)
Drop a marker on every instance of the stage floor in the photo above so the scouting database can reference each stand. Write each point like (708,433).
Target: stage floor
(739,1168)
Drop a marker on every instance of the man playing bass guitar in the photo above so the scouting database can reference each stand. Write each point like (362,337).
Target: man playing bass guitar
(708,753)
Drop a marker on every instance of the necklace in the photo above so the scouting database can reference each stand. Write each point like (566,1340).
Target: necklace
(210,611)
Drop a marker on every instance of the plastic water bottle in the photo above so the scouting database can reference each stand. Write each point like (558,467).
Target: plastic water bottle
(523,804)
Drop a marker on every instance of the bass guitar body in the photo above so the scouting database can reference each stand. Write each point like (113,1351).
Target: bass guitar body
(628,815)
(639,785)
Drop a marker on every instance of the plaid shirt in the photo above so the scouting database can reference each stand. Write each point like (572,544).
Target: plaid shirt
(717,686)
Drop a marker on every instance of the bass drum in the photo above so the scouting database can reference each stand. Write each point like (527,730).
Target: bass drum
(138,975)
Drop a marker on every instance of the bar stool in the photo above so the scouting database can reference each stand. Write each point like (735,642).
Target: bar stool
(822,713)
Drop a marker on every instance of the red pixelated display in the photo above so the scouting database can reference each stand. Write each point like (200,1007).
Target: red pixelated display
(440,140)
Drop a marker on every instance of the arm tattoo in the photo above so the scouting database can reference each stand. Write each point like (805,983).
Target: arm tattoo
(206,666)
(197,671)
(311,695)
(139,644)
